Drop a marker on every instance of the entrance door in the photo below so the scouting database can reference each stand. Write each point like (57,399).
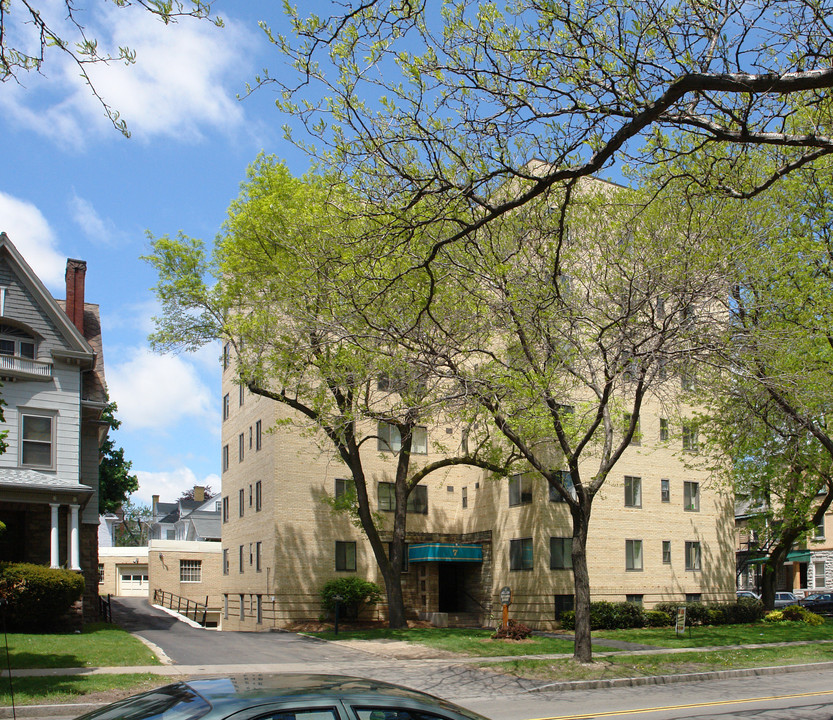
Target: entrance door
(132,581)
(450,587)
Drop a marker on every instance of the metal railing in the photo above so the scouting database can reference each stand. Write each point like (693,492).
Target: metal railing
(105,608)
(191,609)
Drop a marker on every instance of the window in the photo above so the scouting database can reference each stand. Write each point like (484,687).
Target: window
(242,396)
(190,571)
(251,437)
(563,603)
(665,489)
(226,355)
(520,554)
(258,496)
(688,380)
(258,435)
(16,342)
(101,573)
(240,560)
(637,433)
(225,561)
(251,496)
(693,597)
(343,486)
(225,509)
(391,441)
(36,440)
(633,555)
(345,555)
(404,555)
(225,458)
(241,446)
(225,406)
(635,599)
(241,502)
(666,552)
(251,554)
(242,607)
(225,606)
(464,496)
(417,500)
(258,553)
(818,574)
(566,481)
(689,436)
(520,490)
(259,609)
(664,432)
(692,555)
(691,496)
(561,553)
(818,530)
(633,491)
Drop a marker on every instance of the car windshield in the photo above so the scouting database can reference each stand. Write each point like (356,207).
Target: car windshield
(172,702)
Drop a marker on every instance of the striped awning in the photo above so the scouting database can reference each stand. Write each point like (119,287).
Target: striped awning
(444,552)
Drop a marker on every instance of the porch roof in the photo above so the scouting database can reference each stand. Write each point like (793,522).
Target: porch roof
(445,552)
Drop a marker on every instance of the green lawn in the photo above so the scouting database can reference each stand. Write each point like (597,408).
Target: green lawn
(465,641)
(98,644)
(75,688)
(722,634)
(628,665)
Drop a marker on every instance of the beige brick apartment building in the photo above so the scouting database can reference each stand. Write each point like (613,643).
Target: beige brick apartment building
(659,530)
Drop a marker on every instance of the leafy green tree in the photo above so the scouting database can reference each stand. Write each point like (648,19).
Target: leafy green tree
(134,528)
(115,483)
(29,33)
(433,109)
(291,294)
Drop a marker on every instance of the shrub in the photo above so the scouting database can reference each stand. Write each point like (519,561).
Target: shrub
(745,610)
(568,620)
(513,631)
(794,613)
(354,593)
(657,618)
(38,597)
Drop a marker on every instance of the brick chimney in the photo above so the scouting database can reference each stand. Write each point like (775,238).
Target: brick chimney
(199,493)
(155,507)
(76,272)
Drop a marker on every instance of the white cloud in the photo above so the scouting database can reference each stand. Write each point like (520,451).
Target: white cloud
(169,486)
(91,223)
(156,392)
(31,234)
(184,80)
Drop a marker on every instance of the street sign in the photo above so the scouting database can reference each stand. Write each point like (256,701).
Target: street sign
(505,595)
(680,626)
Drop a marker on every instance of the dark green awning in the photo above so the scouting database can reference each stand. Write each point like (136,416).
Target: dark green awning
(444,552)
(798,556)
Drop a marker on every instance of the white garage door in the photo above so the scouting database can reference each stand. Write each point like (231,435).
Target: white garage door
(132,580)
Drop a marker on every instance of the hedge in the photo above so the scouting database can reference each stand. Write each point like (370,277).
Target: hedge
(354,593)
(38,597)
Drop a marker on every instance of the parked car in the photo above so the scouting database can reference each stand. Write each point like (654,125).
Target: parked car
(821,603)
(748,594)
(785,599)
(282,697)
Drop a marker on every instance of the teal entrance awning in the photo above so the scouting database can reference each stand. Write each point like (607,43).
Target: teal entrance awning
(798,556)
(444,552)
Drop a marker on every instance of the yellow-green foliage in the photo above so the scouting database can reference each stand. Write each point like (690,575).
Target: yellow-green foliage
(794,613)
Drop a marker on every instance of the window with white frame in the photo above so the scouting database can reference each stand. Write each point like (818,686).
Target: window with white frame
(818,530)
(36,440)
(100,573)
(190,571)
(666,552)
(690,436)
(633,491)
(16,342)
(691,496)
(664,432)
(520,490)
(241,446)
(692,555)
(258,555)
(818,574)
(225,406)
(258,496)
(561,553)
(225,458)
(633,555)
(665,490)
(225,561)
(258,435)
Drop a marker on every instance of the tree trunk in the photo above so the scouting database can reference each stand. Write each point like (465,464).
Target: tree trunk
(583,649)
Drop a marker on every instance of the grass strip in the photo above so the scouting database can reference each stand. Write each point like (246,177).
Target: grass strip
(717,635)
(464,641)
(74,688)
(628,665)
(98,645)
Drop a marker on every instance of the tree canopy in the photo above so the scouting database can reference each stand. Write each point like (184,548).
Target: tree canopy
(115,482)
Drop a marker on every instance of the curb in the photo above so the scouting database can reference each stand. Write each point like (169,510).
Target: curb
(72,710)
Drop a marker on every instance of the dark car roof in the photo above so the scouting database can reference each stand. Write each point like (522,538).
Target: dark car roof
(251,689)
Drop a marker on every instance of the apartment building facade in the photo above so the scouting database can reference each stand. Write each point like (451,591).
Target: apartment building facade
(660,529)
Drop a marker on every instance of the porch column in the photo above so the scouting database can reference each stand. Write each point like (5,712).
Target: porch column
(54,544)
(74,539)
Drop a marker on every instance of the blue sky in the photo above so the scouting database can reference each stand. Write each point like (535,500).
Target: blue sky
(73,186)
